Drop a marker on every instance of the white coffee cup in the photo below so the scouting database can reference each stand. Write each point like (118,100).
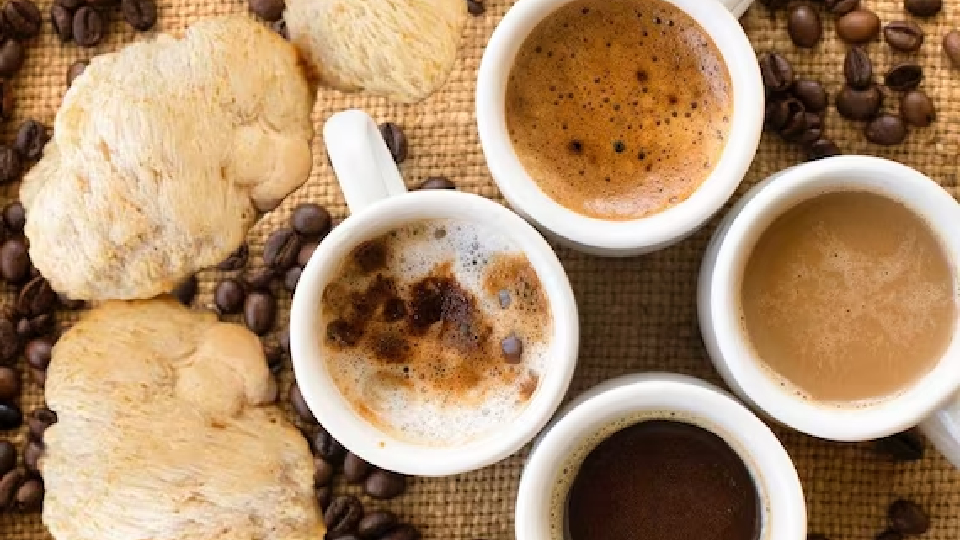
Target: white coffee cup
(621,238)
(620,402)
(928,401)
(380,203)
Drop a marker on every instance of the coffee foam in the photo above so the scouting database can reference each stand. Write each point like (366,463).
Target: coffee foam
(450,384)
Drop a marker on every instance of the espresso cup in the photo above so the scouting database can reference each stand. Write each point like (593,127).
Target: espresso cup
(929,401)
(380,203)
(631,237)
(631,399)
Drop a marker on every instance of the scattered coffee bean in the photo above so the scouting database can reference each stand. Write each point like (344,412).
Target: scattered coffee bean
(236,260)
(907,517)
(260,312)
(311,220)
(9,485)
(8,458)
(886,130)
(29,497)
(259,279)
(24,328)
(38,376)
(31,456)
(395,140)
(10,416)
(9,384)
(281,249)
(904,36)
(88,27)
(923,8)
(322,472)
(31,138)
(10,165)
(9,341)
(14,217)
(342,515)
(841,7)
(795,127)
(890,534)
(21,18)
(14,261)
(323,495)
(512,349)
(402,532)
(811,94)
(75,70)
(803,25)
(72,5)
(376,524)
(917,109)
(291,278)
(39,421)
(860,105)
(437,182)
(858,26)
(306,251)
(381,484)
(41,324)
(186,290)
(36,298)
(62,20)
(330,449)
(814,129)
(39,352)
(228,296)
(274,357)
(140,14)
(857,68)
(779,112)
(300,406)
(776,71)
(355,469)
(268,10)
(475,7)
(903,77)
(11,57)
(951,46)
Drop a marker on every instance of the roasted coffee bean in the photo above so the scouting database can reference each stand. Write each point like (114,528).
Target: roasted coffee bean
(268,10)
(186,290)
(24,328)
(890,534)
(857,68)
(342,515)
(67,303)
(886,130)
(323,497)
(776,71)
(774,5)
(14,217)
(88,27)
(306,251)
(917,109)
(31,138)
(779,112)
(61,18)
(75,70)
(11,57)
(9,485)
(814,129)
(402,532)
(511,347)
(300,406)
(811,94)
(291,278)
(21,18)
(39,421)
(923,8)
(31,456)
(395,140)
(859,105)
(858,26)
(437,182)
(9,341)
(72,5)
(311,220)
(903,77)
(274,357)
(907,517)
(330,449)
(475,7)
(281,249)
(841,7)
(905,36)
(140,14)
(259,279)
(381,484)
(355,469)
(795,127)
(228,296)
(10,416)
(29,497)
(236,260)
(36,298)
(951,46)
(260,312)
(803,25)
(376,524)
(8,458)
(9,384)
(41,324)
(39,376)
(322,472)
(14,260)
(10,165)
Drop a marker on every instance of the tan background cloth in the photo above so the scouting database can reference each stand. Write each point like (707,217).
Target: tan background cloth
(637,314)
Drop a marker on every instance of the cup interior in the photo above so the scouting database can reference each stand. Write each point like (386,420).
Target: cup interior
(768,201)
(338,416)
(632,236)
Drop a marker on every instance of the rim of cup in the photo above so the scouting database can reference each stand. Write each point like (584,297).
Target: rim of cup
(639,235)
(721,289)
(357,434)
(784,509)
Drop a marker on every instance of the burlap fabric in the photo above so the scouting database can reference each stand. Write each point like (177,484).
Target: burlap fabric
(637,314)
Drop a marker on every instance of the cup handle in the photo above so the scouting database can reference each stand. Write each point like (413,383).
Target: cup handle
(361,160)
(737,7)
(942,428)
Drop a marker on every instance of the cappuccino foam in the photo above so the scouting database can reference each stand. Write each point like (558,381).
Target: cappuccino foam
(414,330)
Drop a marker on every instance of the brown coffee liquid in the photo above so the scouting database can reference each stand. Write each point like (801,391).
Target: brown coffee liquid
(849,296)
(663,480)
(618,109)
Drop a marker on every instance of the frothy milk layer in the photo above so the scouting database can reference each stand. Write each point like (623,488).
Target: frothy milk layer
(414,330)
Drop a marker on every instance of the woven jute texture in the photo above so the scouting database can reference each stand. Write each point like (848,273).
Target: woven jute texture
(637,314)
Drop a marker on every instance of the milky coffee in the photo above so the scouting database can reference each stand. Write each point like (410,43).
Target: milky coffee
(849,297)
(619,109)
(437,332)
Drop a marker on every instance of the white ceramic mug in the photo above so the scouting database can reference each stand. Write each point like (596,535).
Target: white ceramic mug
(621,238)
(928,401)
(626,400)
(380,203)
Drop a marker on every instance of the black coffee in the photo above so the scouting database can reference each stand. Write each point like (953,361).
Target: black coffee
(663,480)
